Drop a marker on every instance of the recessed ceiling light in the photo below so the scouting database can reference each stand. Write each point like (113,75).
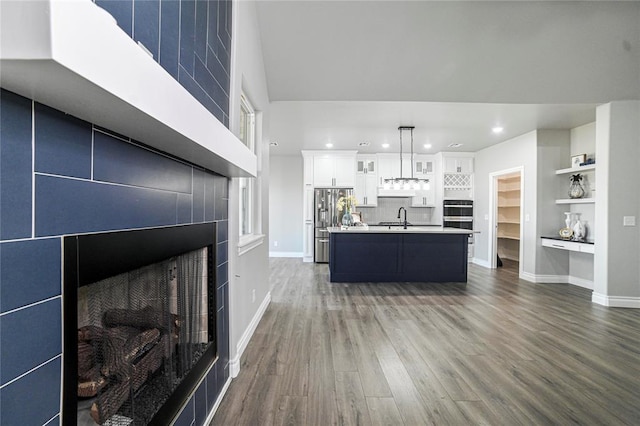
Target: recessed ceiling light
(454,145)
(497,129)
(385,145)
(365,143)
(329,145)
(427,146)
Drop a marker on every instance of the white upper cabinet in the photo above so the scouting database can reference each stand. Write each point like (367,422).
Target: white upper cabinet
(458,164)
(330,169)
(423,165)
(366,189)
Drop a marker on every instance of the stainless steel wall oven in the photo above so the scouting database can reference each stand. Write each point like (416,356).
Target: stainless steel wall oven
(458,214)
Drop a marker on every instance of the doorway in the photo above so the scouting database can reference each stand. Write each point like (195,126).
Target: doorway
(507,190)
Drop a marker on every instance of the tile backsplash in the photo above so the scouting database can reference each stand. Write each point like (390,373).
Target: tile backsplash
(387,211)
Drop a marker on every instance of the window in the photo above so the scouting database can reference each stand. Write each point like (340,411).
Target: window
(246,185)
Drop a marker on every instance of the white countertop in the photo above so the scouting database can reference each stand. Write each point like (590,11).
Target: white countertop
(399,230)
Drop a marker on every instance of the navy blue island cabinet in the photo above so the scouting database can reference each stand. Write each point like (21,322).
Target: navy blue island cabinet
(402,256)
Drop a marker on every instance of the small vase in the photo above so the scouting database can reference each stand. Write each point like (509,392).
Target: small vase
(575,189)
(578,229)
(347,219)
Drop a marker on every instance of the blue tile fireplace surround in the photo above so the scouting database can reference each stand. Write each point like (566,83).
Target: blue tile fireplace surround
(61,176)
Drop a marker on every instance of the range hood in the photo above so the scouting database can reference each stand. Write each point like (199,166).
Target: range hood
(72,56)
(396,193)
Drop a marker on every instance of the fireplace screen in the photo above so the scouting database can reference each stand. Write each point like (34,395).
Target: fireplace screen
(139,333)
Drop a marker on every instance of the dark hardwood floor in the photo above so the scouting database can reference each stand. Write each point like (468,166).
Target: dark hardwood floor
(496,351)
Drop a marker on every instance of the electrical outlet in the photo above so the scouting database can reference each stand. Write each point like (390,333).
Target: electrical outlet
(253,295)
(628,221)
(275,244)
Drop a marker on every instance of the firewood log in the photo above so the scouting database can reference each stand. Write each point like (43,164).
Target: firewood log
(144,318)
(86,357)
(109,401)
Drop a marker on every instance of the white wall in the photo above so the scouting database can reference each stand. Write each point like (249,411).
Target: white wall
(516,152)
(617,257)
(285,208)
(249,288)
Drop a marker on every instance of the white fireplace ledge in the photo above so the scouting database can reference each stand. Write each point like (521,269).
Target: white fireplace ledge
(72,56)
(247,243)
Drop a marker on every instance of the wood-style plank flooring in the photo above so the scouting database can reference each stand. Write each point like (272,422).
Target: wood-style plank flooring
(496,351)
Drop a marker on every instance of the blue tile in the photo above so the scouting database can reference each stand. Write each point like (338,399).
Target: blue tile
(63,143)
(222,253)
(212,29)
(220,297)
(28,338)
(198,195)
(187,35)
(201,29)
(170,36)
(146,24)
(212,387)
(68,206)
(223,231)
(21,283)
(222,198)
(197,92)
(186,417)
(121,162)
(34,399)
(223,336)
(183,209)
(209,197)
(122,11)
(217,70)
(220,374)
(15,166)
(205,79)
(222,275)
(200,401)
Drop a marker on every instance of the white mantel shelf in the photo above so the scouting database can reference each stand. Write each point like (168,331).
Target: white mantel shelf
(72,56)
(576,200)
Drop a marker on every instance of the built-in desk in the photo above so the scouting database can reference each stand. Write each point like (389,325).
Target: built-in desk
(559,243)
(387,254)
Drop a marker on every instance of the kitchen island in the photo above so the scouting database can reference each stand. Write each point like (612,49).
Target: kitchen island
(386,254)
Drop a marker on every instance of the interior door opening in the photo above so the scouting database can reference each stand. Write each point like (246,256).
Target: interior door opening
(507,191)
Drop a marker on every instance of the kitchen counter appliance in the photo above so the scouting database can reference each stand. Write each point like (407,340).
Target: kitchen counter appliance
(326,215)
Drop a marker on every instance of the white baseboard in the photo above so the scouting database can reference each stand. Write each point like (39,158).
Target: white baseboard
(285,254)
(212,413)
(234,364)
(307,259)
(544,279)
(581,282)
(615,301)
(481,262)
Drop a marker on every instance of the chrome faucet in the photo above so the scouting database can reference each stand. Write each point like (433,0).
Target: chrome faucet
(405,216)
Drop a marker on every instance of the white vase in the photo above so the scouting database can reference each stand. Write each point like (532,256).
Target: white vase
(578,229)
(567,220)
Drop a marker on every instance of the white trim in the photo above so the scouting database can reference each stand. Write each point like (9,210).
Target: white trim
(246,243)
(286,254)
(615,301)
(481,262)
(234,364)
(581,282)
(544,279)
(221,395)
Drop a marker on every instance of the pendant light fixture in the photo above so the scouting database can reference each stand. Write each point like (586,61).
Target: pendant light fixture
(406,183)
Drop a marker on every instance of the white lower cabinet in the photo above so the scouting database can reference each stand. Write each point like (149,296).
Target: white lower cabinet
(568,245)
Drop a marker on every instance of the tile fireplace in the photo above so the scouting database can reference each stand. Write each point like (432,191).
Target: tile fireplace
(139,323)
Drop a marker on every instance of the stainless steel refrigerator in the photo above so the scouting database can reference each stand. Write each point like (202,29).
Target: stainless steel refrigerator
(326,215)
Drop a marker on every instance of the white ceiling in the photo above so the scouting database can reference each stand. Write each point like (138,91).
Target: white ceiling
(352,71)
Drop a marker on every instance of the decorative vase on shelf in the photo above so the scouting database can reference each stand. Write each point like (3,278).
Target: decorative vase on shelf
(566,232)
(347,219)
(575,189)
(578,229)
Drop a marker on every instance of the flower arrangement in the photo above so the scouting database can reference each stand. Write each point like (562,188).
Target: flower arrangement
(348,203)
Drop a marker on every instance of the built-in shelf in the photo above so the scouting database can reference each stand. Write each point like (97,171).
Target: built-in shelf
(582,247)
(576,200)
(513,222)
(72,56)
(508,190)
(574,170)
(509,237)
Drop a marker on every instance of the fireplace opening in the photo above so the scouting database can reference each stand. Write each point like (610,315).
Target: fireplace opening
(139,323)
